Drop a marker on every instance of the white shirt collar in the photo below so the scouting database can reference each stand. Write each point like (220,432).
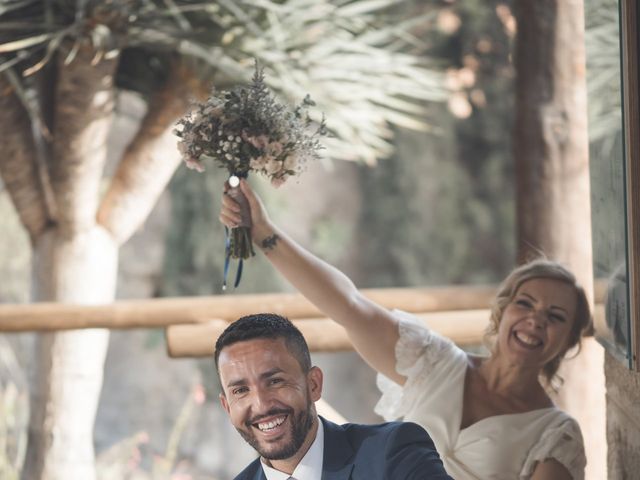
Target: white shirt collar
(310,467)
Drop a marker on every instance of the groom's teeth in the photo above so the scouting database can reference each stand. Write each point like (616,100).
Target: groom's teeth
(265,426)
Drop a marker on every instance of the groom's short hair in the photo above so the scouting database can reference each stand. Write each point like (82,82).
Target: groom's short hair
(268,326)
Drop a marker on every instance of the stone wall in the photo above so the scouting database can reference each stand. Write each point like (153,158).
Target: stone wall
(623,420)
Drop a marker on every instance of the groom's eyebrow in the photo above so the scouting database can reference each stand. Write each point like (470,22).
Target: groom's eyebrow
(264,375)
(235,383)
(271,373)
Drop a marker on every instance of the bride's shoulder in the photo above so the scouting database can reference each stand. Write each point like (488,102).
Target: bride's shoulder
(474,360)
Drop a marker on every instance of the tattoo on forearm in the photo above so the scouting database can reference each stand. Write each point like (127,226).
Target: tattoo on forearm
(269,243)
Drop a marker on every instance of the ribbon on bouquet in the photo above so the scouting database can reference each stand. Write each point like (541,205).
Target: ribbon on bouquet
(227,262)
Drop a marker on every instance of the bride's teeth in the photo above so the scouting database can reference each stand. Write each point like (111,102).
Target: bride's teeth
(524,338)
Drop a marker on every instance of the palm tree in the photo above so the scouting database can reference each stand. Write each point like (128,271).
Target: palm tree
(62,63)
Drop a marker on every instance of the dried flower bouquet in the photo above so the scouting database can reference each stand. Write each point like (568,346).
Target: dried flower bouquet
(247,130)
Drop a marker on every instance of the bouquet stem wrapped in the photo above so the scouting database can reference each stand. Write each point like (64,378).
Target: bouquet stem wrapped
(240,244)
(247,130)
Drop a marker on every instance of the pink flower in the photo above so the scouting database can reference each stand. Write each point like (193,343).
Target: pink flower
(258,163)
(194,164)
(274,149)
(278,181)
(260,142)
(212,111)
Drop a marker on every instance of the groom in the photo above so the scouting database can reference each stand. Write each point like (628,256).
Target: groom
(269,388)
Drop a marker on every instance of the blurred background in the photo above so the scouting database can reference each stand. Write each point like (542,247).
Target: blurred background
(417,187)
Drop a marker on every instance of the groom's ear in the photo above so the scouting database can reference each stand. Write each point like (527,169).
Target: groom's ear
(223,402)
(314,382)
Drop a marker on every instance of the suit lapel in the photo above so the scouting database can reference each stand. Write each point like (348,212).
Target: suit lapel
(338,453)
(260,474)
(253,471)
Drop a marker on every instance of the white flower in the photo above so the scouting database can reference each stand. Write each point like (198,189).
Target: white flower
(258,163)
(291,162)
(273,166)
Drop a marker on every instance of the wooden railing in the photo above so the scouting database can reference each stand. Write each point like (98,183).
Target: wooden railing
(194,323)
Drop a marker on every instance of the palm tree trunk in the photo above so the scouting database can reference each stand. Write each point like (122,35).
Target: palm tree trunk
(18,165)
(74,261)
(82,269)
(150,159)
(83,111)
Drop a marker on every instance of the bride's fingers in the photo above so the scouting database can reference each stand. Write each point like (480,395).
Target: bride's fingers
(229,203)
(229,219)
(232,211)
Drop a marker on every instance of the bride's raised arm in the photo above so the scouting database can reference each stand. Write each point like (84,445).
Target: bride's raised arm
(372,328)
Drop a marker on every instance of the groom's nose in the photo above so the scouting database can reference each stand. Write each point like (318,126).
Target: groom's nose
(262,401)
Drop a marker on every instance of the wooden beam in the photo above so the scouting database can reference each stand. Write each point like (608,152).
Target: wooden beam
(463,327)
(323,335)
(162,312)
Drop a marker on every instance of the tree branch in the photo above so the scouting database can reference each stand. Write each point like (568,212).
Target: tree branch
(18,162)
(84,105)
(150,159)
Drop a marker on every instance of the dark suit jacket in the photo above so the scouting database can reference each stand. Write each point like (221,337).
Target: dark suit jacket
(388,451)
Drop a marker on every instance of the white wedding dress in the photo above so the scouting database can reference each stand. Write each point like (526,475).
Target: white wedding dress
(496,448)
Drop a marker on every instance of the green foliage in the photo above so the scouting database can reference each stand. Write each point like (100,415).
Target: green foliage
(606,150)
(351,56)
(14,414)
(193,264)
(195,244)
(441,210)
(602,44)
(13,438)
(15,254)
(129,459)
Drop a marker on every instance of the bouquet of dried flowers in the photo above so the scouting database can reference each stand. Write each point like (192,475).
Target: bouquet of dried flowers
(247,130)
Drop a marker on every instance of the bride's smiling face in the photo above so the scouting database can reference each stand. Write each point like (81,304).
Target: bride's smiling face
(536,324)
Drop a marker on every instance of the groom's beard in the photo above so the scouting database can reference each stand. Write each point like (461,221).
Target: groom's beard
(290,442)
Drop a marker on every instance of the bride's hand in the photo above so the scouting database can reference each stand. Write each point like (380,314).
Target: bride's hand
(230,211)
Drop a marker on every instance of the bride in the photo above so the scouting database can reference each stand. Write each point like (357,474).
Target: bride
(490,417)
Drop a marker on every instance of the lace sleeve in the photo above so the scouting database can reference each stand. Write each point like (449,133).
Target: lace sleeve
(418,351)
(562,443)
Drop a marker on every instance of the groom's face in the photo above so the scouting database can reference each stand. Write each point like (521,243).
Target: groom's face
(268,397)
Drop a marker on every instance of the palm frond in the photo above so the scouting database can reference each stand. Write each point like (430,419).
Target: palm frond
(342,57)
(358,59)
(602,42)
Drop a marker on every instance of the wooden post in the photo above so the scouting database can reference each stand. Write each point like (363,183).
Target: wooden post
(553,194)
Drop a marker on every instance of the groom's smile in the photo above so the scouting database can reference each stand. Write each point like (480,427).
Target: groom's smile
(271,426)
(268,397)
